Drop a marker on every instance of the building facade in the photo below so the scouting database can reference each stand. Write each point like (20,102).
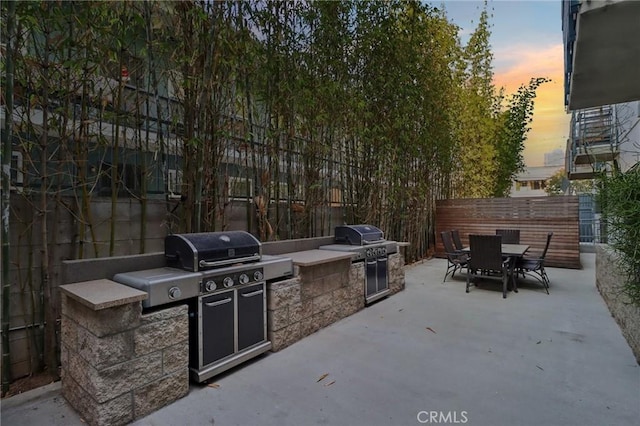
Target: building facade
(602,85)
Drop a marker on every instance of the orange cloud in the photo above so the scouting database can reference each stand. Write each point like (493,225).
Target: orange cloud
(516,65)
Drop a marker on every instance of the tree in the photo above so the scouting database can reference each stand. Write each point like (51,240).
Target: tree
(557,183)
(478,115)
(512,134)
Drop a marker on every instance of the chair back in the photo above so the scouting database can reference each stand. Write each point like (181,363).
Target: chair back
(509,236)
(546,247)
(486,252)
(446,241)
(456,239)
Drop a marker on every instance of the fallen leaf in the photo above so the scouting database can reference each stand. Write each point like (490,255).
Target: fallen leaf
(322,377)
(213,385)
(431,330)
(330,383)
(540,367)
(401,309)
(538,342)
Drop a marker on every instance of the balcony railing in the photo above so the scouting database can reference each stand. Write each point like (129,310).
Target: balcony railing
(593,142)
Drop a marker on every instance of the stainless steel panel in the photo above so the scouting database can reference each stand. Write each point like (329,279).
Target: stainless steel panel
(276,267)
(159,281)
(200,375)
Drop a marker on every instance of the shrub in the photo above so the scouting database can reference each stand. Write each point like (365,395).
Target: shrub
(619,198)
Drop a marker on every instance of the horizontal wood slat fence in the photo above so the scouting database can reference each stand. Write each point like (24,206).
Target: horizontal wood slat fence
(533,216)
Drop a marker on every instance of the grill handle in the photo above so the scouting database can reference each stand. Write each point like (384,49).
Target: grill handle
(253,293)
(219,302)
(205,264)
(373,242)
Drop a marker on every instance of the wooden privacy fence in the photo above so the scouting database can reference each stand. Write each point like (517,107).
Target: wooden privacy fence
(533,216)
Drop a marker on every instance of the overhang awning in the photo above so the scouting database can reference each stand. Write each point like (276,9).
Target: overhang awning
(606,59)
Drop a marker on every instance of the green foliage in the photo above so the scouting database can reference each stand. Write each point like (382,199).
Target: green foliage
(367,111)
(556,183)
(619,198)
(478,115)
(513,134)
(375,103)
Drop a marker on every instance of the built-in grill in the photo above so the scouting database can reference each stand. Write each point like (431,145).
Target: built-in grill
(222,277)
(368,244)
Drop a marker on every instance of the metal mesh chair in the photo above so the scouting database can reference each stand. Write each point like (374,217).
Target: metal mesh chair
(534,266)
(486,255)
(509,236)
(457,242)
(455,260)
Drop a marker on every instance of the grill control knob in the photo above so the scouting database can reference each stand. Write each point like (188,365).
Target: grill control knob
(174,293)
(244,278)
(228,282)
(210,285)
(257,275)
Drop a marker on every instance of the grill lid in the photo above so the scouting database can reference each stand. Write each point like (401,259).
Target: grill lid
(358,235)
(206,250)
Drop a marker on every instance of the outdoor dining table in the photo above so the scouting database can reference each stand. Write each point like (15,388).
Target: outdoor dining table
(513,251)
(508,250)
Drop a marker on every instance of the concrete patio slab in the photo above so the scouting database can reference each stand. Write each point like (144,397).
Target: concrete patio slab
(429,354)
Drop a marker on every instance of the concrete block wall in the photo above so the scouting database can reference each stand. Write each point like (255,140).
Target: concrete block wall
(319,295)
(396,273)
(118,364)
(608,279)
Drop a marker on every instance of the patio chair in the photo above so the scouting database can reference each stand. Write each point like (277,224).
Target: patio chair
(509,236)
(457,242)
(534,266)
(486,255)
(455,260)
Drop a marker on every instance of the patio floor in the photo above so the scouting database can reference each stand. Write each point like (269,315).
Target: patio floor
(431,350)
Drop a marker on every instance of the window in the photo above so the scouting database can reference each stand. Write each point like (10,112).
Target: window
(17,177)
(174,183)
(283,191)
(240,188)
(129,177)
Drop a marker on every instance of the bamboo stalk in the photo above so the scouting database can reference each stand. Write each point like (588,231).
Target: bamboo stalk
(6,184)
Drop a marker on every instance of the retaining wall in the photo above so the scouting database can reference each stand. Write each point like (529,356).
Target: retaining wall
(608,279)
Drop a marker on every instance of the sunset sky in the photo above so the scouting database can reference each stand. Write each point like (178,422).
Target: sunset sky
(526,42)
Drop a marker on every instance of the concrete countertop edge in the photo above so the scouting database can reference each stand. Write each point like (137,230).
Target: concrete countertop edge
(323,256)
(132,295)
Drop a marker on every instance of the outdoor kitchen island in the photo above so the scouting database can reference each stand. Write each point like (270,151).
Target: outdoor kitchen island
(122,361)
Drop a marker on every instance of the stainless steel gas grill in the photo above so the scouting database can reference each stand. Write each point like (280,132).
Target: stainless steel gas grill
(222,277)
(368,244)
(195,252)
